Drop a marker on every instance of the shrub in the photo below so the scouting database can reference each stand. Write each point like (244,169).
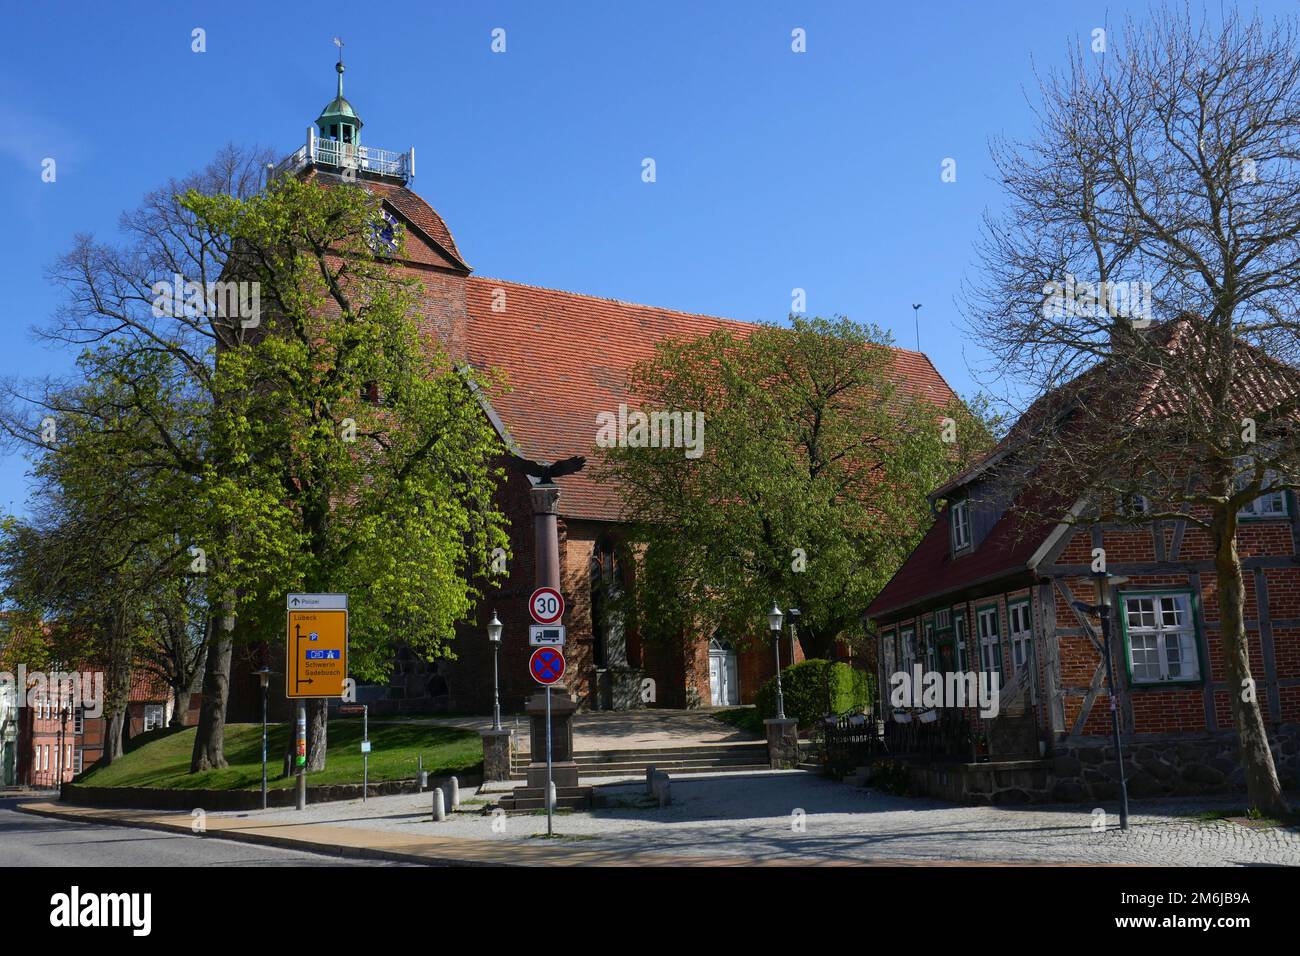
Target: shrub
(815,688)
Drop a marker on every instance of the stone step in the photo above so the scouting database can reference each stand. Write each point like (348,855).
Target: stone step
(637,770)
(651,755)
(537,803)
(534,798)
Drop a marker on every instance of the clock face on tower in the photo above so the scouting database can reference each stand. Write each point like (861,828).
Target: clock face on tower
(385,234)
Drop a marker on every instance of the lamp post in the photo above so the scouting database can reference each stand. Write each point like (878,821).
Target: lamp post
(774,618)
(494,637)
(1102,609)
(264,675)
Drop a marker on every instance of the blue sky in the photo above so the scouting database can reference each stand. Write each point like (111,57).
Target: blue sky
(775,170)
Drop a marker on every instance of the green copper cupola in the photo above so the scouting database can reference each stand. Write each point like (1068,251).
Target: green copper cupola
(338,120)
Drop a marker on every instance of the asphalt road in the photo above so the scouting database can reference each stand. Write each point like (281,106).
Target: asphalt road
(29,840)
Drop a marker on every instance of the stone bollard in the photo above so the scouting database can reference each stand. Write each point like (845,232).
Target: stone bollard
(439,808)
(661,789)
(650,781)
(455,793)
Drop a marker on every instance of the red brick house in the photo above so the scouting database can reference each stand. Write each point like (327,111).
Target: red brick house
(150,704)
(565,356)
(991,588)
(56,741)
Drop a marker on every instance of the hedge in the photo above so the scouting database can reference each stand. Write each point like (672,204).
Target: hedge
(814,688)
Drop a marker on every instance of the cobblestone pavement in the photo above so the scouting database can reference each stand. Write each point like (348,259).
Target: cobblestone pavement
(795,815)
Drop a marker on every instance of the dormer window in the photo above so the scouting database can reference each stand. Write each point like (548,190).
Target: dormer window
(959,516)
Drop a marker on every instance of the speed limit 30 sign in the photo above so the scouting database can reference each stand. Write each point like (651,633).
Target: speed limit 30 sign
(546,606)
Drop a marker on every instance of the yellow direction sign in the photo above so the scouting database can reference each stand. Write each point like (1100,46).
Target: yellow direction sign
(316,650)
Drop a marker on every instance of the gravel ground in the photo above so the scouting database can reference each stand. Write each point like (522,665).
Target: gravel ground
(797,815)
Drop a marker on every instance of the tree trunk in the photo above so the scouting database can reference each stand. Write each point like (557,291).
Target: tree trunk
(118,680)
(113,737)
(210,740)
(317,734)
(1264,792)
(182,698)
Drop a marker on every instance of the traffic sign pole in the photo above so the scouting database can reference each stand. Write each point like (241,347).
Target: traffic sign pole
(365,751)
(301,755)
(550,804)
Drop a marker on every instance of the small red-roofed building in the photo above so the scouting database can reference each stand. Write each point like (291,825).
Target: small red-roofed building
(994,588)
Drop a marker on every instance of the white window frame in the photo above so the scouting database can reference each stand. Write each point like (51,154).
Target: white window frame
(929,647)
(960,636)
(943,619)
(1021,637)
(990,645)
(158,710)
(907,646)
(79,720)
(1161,639)
(960,524)
(890,641)
(78,761)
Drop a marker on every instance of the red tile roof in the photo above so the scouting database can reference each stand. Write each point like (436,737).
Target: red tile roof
(419,213)
(566,358)
(147,687)
(931,572)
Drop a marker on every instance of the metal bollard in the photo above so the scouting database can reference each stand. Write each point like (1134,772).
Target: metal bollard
(423,777)
(455,794)
(650,781)
(439,808)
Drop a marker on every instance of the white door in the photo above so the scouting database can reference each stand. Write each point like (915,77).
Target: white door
(724,680)
(716,672)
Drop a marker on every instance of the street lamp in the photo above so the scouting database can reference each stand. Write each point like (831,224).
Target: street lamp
(494,637)
(264,675)
(774,618)
(1102,609)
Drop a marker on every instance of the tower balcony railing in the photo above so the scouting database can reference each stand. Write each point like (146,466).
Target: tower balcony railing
(362,159)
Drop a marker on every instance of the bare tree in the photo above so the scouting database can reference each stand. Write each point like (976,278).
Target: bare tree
(1143,283)
(110,298)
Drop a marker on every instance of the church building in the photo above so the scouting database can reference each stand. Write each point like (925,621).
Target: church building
(565,356)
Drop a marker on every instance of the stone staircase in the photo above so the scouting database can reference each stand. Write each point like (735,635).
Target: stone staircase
(534,798)
(699,758)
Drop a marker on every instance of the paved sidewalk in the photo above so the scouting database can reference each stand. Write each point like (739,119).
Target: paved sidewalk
(766,818)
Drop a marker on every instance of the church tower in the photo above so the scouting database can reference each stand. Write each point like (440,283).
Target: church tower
(334,152)
(338,122)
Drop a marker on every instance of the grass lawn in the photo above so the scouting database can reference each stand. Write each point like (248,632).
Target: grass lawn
(746,718)
(394,751)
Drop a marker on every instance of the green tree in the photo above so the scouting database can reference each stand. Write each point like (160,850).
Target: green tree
(359,460)
(810,489)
